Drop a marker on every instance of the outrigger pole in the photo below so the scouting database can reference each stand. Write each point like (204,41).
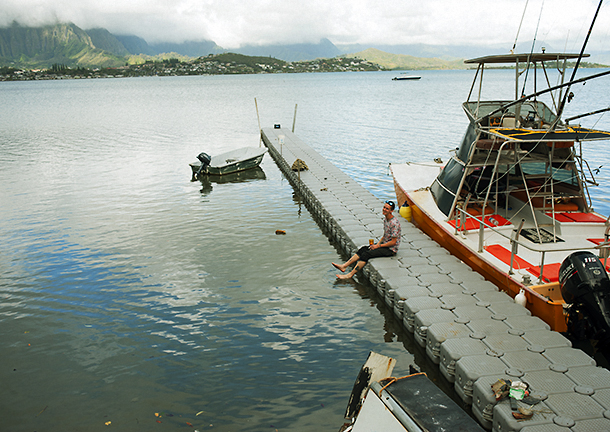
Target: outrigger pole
(567,84)
(582,51)
(568,120)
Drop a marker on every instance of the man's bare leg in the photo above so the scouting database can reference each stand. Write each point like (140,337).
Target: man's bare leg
(351,274)
(343,267)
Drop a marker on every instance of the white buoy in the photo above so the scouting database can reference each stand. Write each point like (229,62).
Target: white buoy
(520,298)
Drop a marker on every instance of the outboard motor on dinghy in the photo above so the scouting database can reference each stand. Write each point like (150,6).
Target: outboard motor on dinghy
(205,160)
(585,285)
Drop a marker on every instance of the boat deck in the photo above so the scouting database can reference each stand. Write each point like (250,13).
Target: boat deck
(475,333)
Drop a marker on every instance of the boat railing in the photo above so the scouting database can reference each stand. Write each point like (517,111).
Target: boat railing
(461,216)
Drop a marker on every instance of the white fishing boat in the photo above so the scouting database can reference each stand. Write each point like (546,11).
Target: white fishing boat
(513,200)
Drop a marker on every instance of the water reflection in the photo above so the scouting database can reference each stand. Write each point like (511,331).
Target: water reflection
(207,181)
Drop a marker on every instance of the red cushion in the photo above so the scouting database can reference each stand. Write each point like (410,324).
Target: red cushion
(561,217)
(549,274)
(585,217)
(474,223)
(496,220)
(503,255)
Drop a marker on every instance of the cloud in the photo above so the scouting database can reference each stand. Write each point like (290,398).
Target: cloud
(232,23)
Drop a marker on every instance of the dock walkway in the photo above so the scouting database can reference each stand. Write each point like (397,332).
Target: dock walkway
(475,333)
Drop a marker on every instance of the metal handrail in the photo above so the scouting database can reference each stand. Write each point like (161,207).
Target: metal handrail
(463,215)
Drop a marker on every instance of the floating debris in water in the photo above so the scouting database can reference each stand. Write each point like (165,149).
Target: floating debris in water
(42,409)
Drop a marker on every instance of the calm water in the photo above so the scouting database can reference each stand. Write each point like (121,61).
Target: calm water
(126,290)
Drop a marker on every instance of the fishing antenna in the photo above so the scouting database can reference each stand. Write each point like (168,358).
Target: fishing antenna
(512,51)
(582,51)
(527,68)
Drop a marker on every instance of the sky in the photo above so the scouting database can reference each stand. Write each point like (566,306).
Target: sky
(562,24)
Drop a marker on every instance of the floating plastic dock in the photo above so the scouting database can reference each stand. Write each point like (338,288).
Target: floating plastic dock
(475,333)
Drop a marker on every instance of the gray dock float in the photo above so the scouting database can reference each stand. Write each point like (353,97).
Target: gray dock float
(475,333)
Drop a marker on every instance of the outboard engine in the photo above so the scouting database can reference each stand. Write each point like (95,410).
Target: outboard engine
(586,287)
(205,160)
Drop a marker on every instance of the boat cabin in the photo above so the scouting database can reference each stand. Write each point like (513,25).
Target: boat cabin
(517,159)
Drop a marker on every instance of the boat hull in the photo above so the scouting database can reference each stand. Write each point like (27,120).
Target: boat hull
(552,312)
(230,168)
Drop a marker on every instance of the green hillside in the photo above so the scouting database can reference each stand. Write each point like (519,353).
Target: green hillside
(104,40)
(402,61)
(66,44)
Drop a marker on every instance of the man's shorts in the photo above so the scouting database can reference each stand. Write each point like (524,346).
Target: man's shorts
(365,253)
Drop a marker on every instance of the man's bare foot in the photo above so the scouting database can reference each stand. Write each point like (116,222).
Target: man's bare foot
(339,267)
(344,276)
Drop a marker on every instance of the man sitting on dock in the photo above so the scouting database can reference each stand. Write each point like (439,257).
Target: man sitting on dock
(387,246)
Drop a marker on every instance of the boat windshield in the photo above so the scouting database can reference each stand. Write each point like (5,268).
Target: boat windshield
(446,185)
(468,141)
(514,115)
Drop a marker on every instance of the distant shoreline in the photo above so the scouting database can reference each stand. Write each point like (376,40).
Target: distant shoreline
(223,64)
(229,64)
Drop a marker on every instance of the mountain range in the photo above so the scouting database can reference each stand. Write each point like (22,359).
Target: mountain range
(67,44)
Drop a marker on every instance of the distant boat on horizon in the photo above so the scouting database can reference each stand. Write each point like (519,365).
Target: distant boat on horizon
(406,78)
